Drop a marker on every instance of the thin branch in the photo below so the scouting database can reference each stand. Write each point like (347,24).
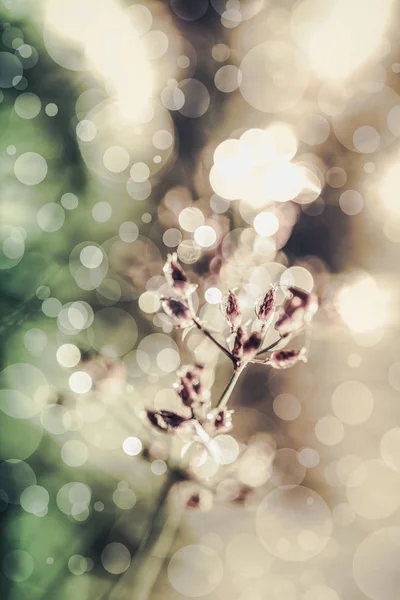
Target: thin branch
(226,394)
(271,346)
(212,338)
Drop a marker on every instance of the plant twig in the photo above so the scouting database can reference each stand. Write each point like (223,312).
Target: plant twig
(149,571)
(131,580)
(270,347)
(226,394)
(212,338)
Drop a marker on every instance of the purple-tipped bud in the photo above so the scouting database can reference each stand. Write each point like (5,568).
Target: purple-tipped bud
(175,275)
(252,344)
(193,501)
(297,310)
(265,307)
(231,311)
(223,420)
(179,312)
(189,386)
(201,500)
(284,359)
(165,420)
(237,350)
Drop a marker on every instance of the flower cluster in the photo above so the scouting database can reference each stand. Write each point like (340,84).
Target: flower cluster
(195,410)
(243,346)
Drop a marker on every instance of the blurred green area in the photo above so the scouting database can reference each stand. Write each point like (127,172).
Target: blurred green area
(46,544)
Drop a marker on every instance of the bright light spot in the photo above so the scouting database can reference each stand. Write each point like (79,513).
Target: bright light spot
(205,236)
(191,218)
(299,277)
(149,302)
(285,140)
(362,305)
(68,355)
(91,257)
(316,26)
(112,46)
(80,382)
(132,446)
(116,159)
(266,224)
(282,181)
(228,449)
(213,295)
(139,172)
(158,467)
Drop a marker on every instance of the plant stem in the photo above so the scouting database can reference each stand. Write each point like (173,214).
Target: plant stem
(226,394)
(212,338)
(135,577)
(150,569)
(270,347)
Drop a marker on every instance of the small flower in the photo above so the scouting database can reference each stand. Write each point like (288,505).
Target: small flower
(176,276)
(193,501)
(179,312)
(284,359)
(252,344)
(201,500)
(222,420)
(231,311)
(189,387)
(165,420)
(265,307)
(297,310)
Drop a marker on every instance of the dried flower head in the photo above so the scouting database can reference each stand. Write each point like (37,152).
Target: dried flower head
(265,307)
(180,313)
(165,420)
(252,345)
(284,359)
(189,386)
(176,276)
(222,420)
(231,311)
(297,310)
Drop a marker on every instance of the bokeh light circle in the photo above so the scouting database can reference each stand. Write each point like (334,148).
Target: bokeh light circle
(294,524)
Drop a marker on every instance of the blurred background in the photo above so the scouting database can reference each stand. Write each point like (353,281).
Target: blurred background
(258,139)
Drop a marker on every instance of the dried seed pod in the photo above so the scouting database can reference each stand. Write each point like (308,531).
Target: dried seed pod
(176,276)
(222,420)
(189,386)
(231,310)
(179,312)
(165,420)
(265,307)
(297,310)
(201,500)
(252,344)
(284,359)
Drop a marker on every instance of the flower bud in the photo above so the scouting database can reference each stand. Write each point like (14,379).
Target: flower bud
(189,387)
(176,276)
(231,311)
(201,500)
(222,420)
(179,312)
(265,307)
(252,344)
(284,359)
(297,310)
(165,420)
